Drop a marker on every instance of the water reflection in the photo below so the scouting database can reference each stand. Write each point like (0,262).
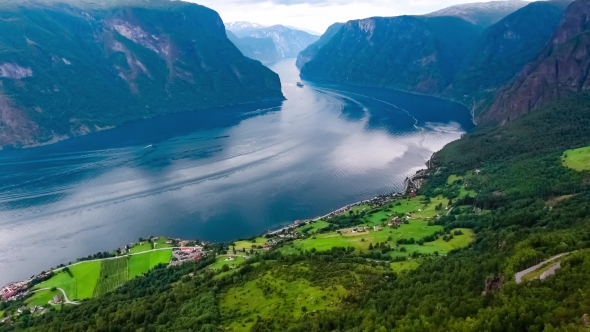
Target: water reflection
(216,174)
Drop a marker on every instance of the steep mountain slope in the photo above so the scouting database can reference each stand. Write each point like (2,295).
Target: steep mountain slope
(288,42)
(310,51)
(560,70)
(261,49)
(502,51)
(482,13)
(70,69)
(406,52)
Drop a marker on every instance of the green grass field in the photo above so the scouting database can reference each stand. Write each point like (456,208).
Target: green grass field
(94,278)
(259,241)
(577,159)
(141,248)
(269,295)
(142,263)
(313,227)
(41,298)
(221,261)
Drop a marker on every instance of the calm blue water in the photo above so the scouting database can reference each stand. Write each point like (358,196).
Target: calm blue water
(216,175)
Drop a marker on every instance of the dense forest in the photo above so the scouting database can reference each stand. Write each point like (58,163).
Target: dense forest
(527,208)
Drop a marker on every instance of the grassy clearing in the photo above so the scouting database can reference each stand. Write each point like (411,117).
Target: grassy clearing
(401,267)
(142,263)
(577,159)
(259,241)
(453,178)
(141,248)
(270,295)
(42,298)
(221,261)
(313,227)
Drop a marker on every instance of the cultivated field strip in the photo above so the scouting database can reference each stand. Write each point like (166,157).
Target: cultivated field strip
(113,273)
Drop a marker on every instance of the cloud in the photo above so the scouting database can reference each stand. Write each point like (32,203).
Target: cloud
(317,15)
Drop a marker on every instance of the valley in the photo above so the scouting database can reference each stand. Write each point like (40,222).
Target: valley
(424,172)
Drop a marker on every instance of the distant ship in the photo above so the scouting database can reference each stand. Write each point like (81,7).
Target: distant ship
(299,84)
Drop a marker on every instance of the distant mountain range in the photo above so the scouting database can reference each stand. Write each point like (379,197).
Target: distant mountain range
(71,69)
(288,42)
(482,13)
(461,58)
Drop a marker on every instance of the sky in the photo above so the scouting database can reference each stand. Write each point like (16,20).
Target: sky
(317,15)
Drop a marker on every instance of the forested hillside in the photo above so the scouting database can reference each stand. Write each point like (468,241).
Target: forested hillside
(407,52)
(70,68)
(513,186)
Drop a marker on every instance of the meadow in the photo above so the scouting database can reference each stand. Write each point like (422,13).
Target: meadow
(221,261)
(90,279)
(420,211)
(577,159)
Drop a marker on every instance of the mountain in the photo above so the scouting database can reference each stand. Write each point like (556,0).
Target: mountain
(502,51)
(261,49)
(243,26)
(410,53)
(482,13)
(70,69)
(310,51)
(560,70)
(288,42)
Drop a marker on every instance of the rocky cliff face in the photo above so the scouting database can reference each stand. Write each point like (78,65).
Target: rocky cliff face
(70,69)
(406,52)
(559,71)
(502,51)
(310,51)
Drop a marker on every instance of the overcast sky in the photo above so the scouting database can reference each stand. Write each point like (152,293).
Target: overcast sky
(317,15)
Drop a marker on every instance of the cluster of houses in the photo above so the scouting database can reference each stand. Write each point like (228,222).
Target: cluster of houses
(14,290)
(186,254)
(33,309)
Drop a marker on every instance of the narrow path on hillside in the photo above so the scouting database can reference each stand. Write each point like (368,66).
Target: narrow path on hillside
(66,300)
(518,276)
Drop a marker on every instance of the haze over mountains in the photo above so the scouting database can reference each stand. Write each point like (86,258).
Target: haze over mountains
(252,39)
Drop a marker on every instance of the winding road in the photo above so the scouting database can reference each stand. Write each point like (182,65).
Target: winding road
(66,300)
(518,276)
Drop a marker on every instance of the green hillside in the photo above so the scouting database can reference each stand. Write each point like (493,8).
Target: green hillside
(75,67)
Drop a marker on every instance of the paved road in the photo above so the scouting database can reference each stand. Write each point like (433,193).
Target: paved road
(551,271)
(518,276)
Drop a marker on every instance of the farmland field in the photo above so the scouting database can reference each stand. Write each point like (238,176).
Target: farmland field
(113,273)
(142,263)
(89,279)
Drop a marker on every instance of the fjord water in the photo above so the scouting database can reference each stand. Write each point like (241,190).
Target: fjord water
(216,175)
